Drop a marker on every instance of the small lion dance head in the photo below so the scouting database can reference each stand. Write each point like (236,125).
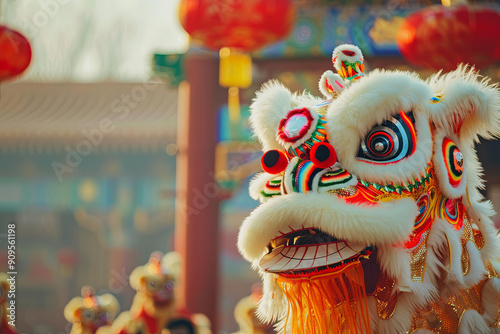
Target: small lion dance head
(90,311)
(371,219)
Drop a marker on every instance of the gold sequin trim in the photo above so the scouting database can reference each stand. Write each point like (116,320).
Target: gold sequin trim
(490,269)
(418,257)
(386,297)
(467,235)
(478,239)
(444,317)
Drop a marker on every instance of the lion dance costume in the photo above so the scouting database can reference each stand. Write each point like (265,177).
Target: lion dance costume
(90,311)
(371,219)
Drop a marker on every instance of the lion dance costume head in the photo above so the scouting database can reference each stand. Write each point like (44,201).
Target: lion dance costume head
(90,311)
(371,219)
(154,303)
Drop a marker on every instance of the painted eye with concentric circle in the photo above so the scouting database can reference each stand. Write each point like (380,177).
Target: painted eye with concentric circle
(391,141)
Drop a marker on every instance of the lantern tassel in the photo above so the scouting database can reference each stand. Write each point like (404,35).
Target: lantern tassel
(233,105)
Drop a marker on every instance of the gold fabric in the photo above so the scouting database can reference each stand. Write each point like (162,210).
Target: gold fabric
(386,297)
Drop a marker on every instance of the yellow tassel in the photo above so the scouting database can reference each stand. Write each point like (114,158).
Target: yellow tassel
(233,106)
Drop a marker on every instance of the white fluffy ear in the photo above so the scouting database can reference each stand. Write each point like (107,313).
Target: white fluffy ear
(72,309)
(172,264)
(329,83)
(110,304)
(465,104)
(271,104)
(137,276)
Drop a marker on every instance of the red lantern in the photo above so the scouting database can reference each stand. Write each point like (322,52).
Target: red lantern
(441,37)
(245,25)
(15,53)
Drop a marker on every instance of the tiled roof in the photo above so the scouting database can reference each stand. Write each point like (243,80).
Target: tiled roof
(127,115)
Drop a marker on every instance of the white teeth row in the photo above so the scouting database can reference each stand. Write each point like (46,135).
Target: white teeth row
(302,257)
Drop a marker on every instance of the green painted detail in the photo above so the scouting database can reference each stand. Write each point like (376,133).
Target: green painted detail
(265,194)
(325,184)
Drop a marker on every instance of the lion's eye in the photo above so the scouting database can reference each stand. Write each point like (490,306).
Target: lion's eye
(390,141)
(89,314)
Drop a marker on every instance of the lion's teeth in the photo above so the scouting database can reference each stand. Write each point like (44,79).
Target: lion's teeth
(299,257)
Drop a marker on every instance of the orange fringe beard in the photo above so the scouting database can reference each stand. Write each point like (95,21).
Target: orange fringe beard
(327,303)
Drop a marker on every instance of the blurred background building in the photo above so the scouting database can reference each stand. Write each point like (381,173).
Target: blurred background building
(89,138)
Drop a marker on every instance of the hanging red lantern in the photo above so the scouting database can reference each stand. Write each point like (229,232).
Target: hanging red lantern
(244,25)
(440,37)
(235,27)
(15,53)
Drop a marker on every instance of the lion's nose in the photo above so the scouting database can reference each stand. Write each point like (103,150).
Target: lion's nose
(323,155)
(274,162)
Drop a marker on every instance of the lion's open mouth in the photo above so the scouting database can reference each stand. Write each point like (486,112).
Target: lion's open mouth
(309,251)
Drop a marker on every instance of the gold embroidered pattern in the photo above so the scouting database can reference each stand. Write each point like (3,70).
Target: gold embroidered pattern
(478,238)
(490,269)
(493,273)
(386,297)
(418,256)
(467,235)
(444,317)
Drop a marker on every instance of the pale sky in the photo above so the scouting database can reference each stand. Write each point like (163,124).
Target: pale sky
(95,40)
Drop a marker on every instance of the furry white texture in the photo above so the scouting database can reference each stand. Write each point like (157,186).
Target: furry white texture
(338,56)
(287,184)
(306,136)
(480,214)
(395,261)
(258,183)
(334,80)
(171,264)
(473,322)
(366,102)
(107,302)
(389,222)
(273,304)
(271,104)
(453,278)
(468,97)
(490,299)
(371,101)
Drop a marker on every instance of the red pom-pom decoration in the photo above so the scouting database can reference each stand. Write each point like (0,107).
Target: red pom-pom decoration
(323,155)
(274,162)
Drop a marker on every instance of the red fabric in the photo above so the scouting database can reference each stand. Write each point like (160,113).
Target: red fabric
(5,328)
(150,321)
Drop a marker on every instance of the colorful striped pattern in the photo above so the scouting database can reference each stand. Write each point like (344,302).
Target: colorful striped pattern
(272,188)
(437,98)
(450,153)
(303,176)
(319,135)
(339,176)
(452,211)
(411,130)
(322,107)
(351,71)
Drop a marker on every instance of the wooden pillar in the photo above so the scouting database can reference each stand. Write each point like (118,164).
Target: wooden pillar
(196,229)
